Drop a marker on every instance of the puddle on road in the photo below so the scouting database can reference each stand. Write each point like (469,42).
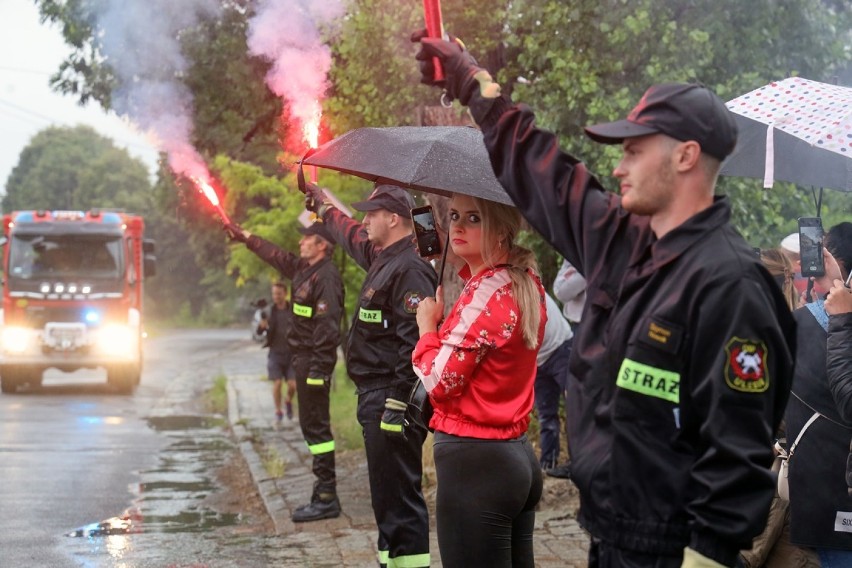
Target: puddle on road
(191,422)
(109,527)
(170,497)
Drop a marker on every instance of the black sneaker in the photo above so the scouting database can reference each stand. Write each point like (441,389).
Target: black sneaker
(562,471)
(317,510)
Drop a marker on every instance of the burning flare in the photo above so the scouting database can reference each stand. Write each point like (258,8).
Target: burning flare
(310,129)
(210,193)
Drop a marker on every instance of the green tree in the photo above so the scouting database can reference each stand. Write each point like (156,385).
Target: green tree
(584,61)
(270,207)
(77,168)
(374,78)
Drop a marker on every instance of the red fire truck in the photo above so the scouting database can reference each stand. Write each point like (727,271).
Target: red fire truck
(72,295)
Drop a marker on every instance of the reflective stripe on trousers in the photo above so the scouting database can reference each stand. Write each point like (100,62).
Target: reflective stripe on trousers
(410,561)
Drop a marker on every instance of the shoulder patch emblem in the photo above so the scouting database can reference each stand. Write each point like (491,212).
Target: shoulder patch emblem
(412,300)
(368,294)
(322,307)
(745,365)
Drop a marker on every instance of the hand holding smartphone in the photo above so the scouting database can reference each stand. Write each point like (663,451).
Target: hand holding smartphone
(810,246)
(426,232)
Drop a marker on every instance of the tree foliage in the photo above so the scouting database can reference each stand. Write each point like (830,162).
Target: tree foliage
(374,78)
(575,62)
(584,61)
(77,168)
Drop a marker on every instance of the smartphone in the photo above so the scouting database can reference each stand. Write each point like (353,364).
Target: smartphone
(810,246)
(426,232)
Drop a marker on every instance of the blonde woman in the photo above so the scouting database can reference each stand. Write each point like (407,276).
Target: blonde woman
(781,268)
(479,369)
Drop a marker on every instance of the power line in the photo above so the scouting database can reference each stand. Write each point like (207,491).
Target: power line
(65,122)
(22,70)
(29,112)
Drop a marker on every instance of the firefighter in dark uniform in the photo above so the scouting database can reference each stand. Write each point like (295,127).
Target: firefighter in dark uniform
(378,359)
(317,298)
(681,371)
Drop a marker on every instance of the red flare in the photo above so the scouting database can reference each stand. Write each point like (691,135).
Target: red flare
(210,193)
(435,28)
(310,130)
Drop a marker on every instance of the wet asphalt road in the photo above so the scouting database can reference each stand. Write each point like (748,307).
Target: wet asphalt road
(74,453)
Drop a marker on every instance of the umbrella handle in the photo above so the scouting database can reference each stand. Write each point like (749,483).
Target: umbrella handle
(300,174)
(444,259)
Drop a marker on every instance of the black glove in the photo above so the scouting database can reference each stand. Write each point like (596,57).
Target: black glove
(464,77)
(393,419)
(235,232)
(419,405)
(316,200)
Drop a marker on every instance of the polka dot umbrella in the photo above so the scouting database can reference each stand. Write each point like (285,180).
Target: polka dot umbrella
(794,130)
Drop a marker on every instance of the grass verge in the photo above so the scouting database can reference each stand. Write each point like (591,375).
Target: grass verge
(216,398)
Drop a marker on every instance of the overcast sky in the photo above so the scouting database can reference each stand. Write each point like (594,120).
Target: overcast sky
(29,53)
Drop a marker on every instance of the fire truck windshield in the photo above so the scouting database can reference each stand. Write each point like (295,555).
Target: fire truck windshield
(61,256)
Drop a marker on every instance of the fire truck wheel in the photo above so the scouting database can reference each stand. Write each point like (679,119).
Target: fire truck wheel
(123,378)
(14,376)
(8,385)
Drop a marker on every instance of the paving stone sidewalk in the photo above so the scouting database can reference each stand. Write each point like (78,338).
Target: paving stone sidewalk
(350,540)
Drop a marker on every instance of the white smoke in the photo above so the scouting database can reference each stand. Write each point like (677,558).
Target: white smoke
(139,39)
(287,33)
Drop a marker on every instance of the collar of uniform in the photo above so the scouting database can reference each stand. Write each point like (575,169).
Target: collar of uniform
(308,269)
(399,247)
(676,241)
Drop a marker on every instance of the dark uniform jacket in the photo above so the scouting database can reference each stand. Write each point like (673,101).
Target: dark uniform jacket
(681,373)
(317,301)
(384,327)
(820,505)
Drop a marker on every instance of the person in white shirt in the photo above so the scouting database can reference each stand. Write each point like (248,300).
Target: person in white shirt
(569,287)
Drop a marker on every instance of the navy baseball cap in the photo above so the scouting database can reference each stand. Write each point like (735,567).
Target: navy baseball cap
(684,111)
(390,197)
(317,228)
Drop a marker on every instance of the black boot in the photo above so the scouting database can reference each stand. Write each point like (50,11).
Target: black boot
(322,506)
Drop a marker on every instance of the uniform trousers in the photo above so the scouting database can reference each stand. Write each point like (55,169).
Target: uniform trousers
(315,422)
(395,467)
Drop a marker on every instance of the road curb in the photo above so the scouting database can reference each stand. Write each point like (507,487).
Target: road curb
(273,502)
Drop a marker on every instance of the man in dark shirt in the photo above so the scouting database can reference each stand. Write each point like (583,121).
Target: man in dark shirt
(378,359)
(681,372)
(279,362)
(317,297)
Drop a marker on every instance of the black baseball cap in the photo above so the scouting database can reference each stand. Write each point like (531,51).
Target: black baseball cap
(390,197)
(684,111)
(317,228)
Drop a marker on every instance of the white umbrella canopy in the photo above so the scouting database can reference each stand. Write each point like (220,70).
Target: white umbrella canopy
(794,130)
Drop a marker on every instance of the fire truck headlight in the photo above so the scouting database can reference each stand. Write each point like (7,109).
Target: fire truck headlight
(118,340)
(15,339)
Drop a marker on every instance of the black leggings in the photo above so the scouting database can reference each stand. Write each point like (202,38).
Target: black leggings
(487,493)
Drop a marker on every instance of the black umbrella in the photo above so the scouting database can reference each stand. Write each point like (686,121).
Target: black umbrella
(434,159)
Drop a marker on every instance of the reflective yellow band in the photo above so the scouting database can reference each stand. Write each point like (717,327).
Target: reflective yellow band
(407,561)
(391,427)
(650,381)
(303,311)
(321,448)
(315,382)
(370,316)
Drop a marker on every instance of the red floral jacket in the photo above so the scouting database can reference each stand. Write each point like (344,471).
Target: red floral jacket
(476,368)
